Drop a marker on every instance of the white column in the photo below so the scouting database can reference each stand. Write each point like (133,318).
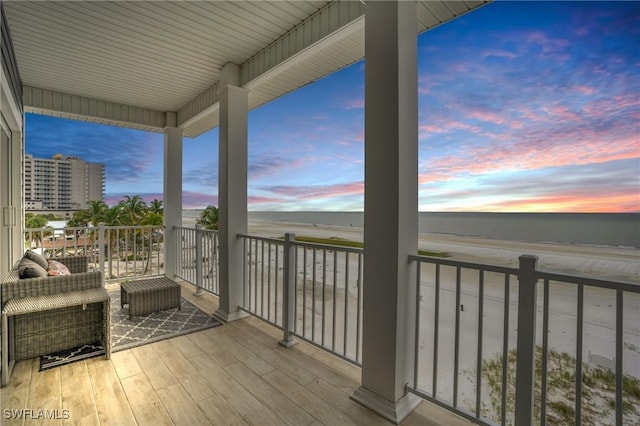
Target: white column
(172,192)
(232,190)
(391,208)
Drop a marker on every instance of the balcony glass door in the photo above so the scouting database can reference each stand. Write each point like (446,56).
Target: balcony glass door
(7,209)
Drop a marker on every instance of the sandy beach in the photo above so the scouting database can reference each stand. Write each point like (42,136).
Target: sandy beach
(601,262)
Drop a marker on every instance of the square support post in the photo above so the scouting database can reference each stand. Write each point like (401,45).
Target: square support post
(526,349)
(232,193)
(199,260)
(289,290)
(172,193)
(391,208)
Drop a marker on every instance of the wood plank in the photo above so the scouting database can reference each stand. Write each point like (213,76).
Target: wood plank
(77,395)
(15,395)
(44,394)
(242,354)
(224,385)
(269,396)
(182,409)
(317,407)
(340,366)
(153,366)
(211,348)
(126,364)
(265,337)
(432,414)
(340,401)
(296,354)
(184,371)
(206,302)
(186,346)
(111,401)
(262,417)
(220,412)
(291,369)
(144,401)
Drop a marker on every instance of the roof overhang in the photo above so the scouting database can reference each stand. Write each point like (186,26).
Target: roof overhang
(148,65)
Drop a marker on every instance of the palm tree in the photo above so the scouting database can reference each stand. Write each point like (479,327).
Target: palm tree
(155,206)
(35,222)
(112,217)
(95,211)
(133,209)
(152,218)
(209,218)
(80,219)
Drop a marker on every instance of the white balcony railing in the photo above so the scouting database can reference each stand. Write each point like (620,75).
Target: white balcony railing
(120,252)
(483,347)
(518,345)
(197,258)
(311,291)
(496,345)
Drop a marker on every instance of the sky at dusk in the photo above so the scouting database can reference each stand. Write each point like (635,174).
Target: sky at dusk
(523,107)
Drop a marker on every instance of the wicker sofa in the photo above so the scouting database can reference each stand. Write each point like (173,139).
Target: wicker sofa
(54,313)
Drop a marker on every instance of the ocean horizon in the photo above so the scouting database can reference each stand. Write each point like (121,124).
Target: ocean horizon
(599,229)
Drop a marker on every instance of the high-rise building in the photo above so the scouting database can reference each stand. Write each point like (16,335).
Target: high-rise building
(61,183)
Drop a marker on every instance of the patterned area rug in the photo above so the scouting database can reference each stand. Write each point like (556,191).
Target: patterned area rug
(140,330)
(70,355)
(126,333)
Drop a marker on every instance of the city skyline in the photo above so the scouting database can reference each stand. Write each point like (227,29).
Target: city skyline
(522,107)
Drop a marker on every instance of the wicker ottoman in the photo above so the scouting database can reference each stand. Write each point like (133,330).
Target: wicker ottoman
(152,295)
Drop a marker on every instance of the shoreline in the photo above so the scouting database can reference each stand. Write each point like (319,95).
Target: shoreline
(598,229)
(603,262)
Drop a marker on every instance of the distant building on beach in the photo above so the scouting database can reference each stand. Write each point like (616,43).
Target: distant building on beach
(61,185)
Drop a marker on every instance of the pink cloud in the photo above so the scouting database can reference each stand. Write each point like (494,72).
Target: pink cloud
(575,202)
(354,104)
(445,126)
(548,44)
(190,199)
(499,54)
(488,116)
(271,165)
(584,90)
(586,148)
(194,200)
(318,191)
(256,199)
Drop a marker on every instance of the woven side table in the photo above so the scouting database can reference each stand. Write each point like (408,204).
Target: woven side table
(57,325)
(152,295)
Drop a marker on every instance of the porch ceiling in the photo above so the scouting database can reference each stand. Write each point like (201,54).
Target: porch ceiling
(128,63)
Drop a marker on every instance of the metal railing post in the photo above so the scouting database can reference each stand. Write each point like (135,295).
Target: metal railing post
(288,290)
(101,250)
(198,260)
(526,349)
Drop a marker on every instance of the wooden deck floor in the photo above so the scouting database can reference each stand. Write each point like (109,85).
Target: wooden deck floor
(236,374)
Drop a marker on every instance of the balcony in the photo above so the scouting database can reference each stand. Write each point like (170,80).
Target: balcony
(234,374)
(311,294)
(394,330)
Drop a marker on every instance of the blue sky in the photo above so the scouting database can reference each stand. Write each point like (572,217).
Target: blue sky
(523,107)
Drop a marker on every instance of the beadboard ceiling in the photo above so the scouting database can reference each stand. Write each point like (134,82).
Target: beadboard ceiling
(154,57)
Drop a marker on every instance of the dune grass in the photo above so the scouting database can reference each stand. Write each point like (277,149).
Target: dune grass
(336,241)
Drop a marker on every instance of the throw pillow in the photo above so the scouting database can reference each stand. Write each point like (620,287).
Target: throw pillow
(30,269)
(57,268)
(38,258)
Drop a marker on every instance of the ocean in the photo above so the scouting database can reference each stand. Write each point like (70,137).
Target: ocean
(600,229)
